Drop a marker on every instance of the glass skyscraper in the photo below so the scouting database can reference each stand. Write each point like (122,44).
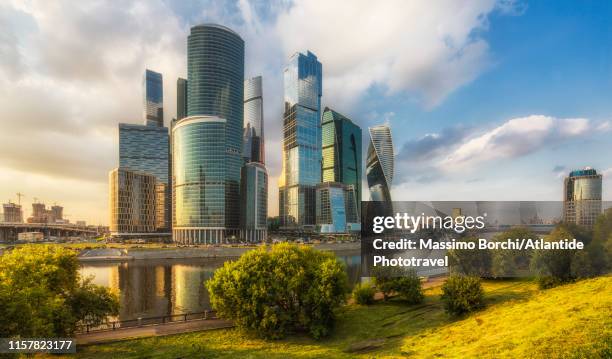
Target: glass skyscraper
(254,198)
(153,98)
(331,207)
(380,163)
(341,150)
(144,149)
(582,197)
(301,142)
(131,202)
(207,145)
(181,98)
(253,136)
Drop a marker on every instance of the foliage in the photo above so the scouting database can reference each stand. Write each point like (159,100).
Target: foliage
(462,294)
(284,289)
(539,325)
(363,294)
(470,262)
(506,262)
(397,281)
(556,267)
(43,295)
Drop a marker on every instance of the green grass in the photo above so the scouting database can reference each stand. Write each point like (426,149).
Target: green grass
(519,321)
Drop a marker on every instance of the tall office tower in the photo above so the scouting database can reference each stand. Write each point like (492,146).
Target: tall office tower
(379,164)
(254,199)
(181,98)
(12,213)
(253,136)
(145,149)
(207,145)
(301,171)
(331,207)
(582,197)
(153,98)
(132,202)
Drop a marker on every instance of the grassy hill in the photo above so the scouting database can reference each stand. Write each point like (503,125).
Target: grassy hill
(574,320)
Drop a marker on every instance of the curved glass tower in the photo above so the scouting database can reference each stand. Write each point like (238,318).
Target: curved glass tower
(582,197)
(207,144)
(253,144)
(379,163)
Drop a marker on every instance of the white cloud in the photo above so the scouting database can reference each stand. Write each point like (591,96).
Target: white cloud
(425,48)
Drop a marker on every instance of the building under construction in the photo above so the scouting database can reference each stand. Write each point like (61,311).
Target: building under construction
(40,214)
(12,213)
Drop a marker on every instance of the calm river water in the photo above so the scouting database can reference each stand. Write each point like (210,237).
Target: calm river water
(153,287)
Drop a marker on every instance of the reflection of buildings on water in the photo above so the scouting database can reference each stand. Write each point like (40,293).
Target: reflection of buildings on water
(188,292)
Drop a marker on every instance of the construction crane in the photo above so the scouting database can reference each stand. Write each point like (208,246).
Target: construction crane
(19,195)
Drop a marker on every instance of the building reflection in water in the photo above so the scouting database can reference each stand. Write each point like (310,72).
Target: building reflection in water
(151,288)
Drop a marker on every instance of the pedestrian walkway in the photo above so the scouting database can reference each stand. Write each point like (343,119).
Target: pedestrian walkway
(152,330)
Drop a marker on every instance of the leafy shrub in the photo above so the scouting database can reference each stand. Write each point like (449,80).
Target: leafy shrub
(507,262)
(287,288)
(462,294)
(554,266)
(363,294)
(470,262)
(403,283)
(42,294)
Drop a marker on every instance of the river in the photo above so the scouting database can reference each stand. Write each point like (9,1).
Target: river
(158,287)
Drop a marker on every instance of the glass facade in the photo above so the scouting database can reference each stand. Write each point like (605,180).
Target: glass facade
(181,98)
(379,163)
(199,180)
(145,149)
(153,99)
(254,198)
(132,202)
(331,208)
(301,141)
(253,136)
(582,197)
(207,145)
(341,150)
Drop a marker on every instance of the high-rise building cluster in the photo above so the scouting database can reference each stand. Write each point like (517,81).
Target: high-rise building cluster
(204,180)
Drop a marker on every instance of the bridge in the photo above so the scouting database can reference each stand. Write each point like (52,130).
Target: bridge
(9,231)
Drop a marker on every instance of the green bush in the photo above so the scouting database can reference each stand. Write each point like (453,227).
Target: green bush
(42,294)
(403,283)
(462,294)
(363,294)
(470,262)
(288,288)
(507,262)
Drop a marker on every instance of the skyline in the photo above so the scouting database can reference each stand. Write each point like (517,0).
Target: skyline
(455,135)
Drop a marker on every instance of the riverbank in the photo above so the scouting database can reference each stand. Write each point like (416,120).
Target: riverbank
(519,321)
(136,253)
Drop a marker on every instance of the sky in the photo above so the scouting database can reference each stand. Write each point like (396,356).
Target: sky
(487,100)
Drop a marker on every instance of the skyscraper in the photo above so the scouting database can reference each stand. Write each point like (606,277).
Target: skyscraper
(301,142)
(253,136)
(331,207)
(12,213)
(582,197)
(379,164)
(145,149)
(254,198)
(207,145)
(153,92)
(341,150)
(131,202)
(181,98)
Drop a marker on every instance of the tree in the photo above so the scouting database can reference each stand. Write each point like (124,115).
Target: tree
(462,294)
(406,284)
(288,288)
(507,262)
(43,294)
(553,266)
(470,262)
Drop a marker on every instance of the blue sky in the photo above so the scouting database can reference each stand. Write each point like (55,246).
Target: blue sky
(487,100)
